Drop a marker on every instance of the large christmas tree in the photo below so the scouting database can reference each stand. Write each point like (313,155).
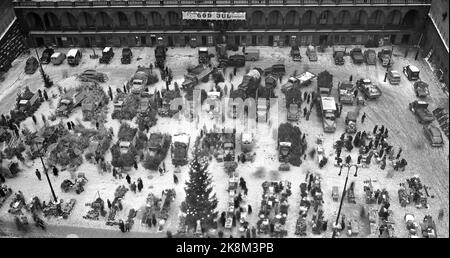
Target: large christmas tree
(200,203)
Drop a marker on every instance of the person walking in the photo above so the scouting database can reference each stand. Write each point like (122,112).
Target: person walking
(133,187)
(363,118)
(305,111)
(2,179)
(38,174)
(375,129)
(355,93)
(305,95)
(109,203)
(140,184)
(249,209)
(234,71)
(154,220)
(399,153)
(128,178)
(175,179)
(122,226)
(161,173)
(351,77)
(69,126)
(55,171)
(72,124)
(135,165)
(45,95)
(34,119)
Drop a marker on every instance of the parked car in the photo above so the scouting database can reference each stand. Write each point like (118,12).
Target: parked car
(74,56)
(127,54)
(370,56)
(421,89)
(107,55)
(295,54)
(31,65)
(251,54)
(46,55)
(94,75)
(311,53)
(338,55)
(236,61)
(434,135)
(357,55)
(278,69)
(57,58)
(394,77)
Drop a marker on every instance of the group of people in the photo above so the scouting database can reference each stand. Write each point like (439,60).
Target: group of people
(370,144)
(133,185)
(54,170)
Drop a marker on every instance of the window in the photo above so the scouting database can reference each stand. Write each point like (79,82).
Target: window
(359,39)
(210,40)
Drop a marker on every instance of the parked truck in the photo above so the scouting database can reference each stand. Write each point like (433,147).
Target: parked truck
(127,55)
(302,80)
(326,108)
(357,55)
(199,74)
(338,55)
(369,89)
(295,54)
(284,150)
(107,55)
(158,146)
(346,92)
(249,85)
(293,112)
(179,149)
(160,55)
(203,55)
(350,122)
(222,55)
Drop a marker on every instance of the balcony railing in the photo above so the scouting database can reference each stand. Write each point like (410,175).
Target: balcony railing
(138,3)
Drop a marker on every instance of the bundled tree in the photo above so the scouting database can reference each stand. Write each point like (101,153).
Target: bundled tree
(200,203)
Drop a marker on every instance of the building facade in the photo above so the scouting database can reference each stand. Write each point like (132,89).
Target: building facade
(435,42)
(266,22)
(12,42)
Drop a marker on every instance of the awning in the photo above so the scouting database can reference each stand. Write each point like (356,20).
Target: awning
(214,16)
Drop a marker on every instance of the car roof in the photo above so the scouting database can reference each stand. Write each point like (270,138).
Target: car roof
(395,72)
(56,54)
(434,131)
(413,68)
(106,49)
(72,52)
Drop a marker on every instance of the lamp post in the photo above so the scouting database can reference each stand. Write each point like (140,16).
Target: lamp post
(344,191)
(46,173)
(47,82)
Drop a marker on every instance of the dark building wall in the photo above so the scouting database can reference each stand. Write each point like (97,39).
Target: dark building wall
(88,24)
(437,38)
(12,42)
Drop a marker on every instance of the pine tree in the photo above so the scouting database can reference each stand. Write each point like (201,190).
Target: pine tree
(199,203)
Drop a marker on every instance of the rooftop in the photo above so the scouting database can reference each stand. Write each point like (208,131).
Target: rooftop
(26,3)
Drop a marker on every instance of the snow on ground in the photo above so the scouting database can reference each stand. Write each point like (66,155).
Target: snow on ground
(391,110)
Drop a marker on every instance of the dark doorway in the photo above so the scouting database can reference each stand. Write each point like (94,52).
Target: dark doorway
(237,40)
(203,40)
(170,39)
(405,39)
(286,40)
(254,42)
(39,42)
(323,39)
(87,42)
(153,40)
(392,39)
(270,43)
(186,40)
(59,42)
(143,40)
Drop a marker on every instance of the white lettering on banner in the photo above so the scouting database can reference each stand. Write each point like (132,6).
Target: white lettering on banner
(213,16)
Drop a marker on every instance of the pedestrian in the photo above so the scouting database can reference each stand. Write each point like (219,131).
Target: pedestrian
(114,171)
(441,214)
(375,129)
(135,165)
(127,226)
(386,133)
(140,185)
(403,164)
(363,118)
(154,220)
(38,174)
(175,179)
(382,130)
(2,179)
(124,89)
(355,93)
(164,167)
(109,203)
(305,95)
(34,119)
(122,226)
(305,111)
(133,187)
(72,124)
(253,232)
(249,209)
(230,77)
(399,153)
(128,178)
(247,233)
(110,93)
(55,171)
(234,71)
(309,98)
(351,77)
(69,126)
(160,171)
(383,163)
(220,233)
(359,159)
(45,95)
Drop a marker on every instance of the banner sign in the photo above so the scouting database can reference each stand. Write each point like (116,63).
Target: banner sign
(213,16)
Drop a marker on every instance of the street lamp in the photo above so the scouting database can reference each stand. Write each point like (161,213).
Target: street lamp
(344,191)
(47,82)
(45,170)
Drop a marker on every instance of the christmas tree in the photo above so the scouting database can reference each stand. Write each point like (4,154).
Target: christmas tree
(199,203)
